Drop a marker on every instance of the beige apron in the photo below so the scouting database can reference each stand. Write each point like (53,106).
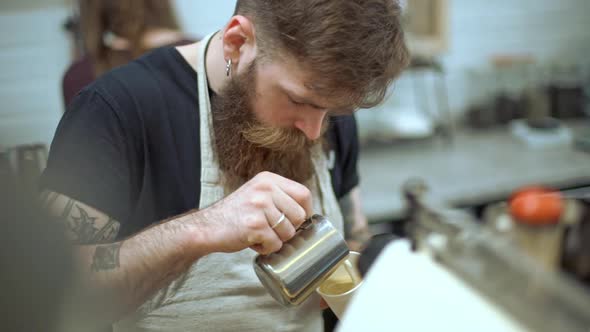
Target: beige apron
(221,292)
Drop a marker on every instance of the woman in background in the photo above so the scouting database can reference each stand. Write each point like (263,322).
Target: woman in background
(115,32)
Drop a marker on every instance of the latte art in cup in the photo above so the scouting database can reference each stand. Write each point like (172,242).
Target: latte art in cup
(339,288)
(336,287)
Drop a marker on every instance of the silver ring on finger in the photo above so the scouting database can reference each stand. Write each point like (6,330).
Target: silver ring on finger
(281,219)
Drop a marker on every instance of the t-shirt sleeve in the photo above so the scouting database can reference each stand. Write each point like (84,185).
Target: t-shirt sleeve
(350,174)
(345,142)
(87,159)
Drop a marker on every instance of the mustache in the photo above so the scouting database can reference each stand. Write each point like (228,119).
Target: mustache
(275,139)
(279,139)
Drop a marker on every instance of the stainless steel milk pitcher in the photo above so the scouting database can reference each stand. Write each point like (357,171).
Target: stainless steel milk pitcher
(293,273)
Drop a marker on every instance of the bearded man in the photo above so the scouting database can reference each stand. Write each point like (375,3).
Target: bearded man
(173,171)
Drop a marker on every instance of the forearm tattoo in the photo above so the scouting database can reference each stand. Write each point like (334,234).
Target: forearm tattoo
(106,257)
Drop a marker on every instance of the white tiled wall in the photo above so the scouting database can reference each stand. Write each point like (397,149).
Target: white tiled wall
(200,18)
(552,31)
(33,55)
(546,28)
(34,50)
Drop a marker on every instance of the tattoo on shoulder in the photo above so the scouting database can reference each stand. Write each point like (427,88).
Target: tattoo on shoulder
(106,257)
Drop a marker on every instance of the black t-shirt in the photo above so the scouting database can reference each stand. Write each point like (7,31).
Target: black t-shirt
(128,145)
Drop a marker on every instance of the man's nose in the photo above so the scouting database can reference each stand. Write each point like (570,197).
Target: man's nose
(311,124)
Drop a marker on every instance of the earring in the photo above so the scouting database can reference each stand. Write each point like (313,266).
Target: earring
(228,68)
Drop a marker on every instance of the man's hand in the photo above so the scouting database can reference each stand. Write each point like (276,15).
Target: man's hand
(246,217)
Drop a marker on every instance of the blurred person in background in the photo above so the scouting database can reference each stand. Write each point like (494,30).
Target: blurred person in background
(114,32)
(172,172)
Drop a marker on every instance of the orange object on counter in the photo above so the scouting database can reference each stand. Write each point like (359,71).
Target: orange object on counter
(536,206)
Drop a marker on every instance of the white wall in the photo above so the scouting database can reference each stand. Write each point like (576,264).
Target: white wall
(552,31)
(34,53)
(200,18)
(548,29)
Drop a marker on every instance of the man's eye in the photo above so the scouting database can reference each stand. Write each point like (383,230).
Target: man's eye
(298,104)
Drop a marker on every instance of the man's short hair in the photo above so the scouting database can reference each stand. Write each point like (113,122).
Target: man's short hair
(353,48)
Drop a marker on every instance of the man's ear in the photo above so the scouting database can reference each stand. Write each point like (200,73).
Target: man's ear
(239,40)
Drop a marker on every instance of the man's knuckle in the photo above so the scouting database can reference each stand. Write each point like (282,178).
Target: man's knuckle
(259,201)
(275,246)
(302,193)
(263,185)
(264,175)
(289,233)
(252,223)
(301,214)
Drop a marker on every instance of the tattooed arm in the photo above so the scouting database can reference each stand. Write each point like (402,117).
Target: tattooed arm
(126,272)
(133,269)
(82,223)
(356,228)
